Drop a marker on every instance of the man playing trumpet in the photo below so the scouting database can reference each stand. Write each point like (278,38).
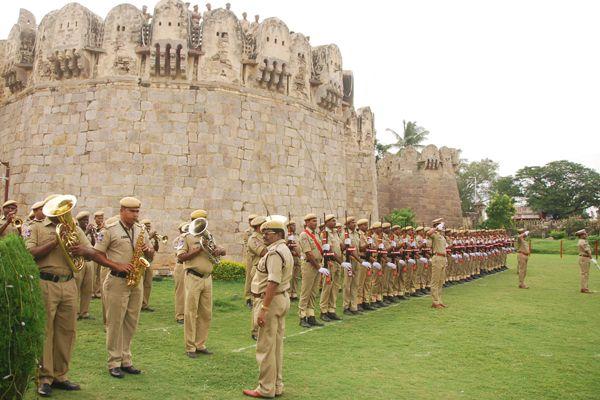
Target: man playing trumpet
(9,223)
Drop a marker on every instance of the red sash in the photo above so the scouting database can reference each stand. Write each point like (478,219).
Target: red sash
(310,234)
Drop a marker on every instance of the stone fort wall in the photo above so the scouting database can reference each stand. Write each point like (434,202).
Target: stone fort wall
(424,182)
(183,110)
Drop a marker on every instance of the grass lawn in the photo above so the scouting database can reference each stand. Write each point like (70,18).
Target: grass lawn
(550,246)
(493,342)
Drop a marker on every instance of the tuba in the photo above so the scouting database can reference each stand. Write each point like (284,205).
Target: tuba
(198,228)
(59,209)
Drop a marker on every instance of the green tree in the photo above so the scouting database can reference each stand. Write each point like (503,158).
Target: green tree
(402,217)
(507,185)
(413,135)
(475,180)
(560,189)
(500,212)
(381,149)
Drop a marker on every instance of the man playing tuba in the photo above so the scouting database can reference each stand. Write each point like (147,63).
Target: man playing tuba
(193,251)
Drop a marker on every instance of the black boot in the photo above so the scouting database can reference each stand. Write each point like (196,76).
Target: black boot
(313,321)
(304,323)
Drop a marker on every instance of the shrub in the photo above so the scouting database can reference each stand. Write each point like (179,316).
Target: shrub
(22,318)
(572,225)
(402,217)
(228,270)
(557,234)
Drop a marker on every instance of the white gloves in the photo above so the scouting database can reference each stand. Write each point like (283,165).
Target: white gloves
(347,241)
(381,246)
(370,240)
(454,256)
(402,262)
(526,233)
(326,247)
(291,238)
(441,227)
(376,265)
(324,271)
(394,244)
(366,264)
(391,265)
(411,261)
(346,265)
(423,260)
(405,240)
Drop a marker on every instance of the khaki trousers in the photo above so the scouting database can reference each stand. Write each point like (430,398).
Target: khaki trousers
(60,301)
(178,277)
(367,288)
(438,276)
(331,289)
(584,266)
(148,275)
(85,283)
(198,311)
(104,272)
(402,277)
(97,280)
(122,313)
(269,346)
(248,282)
(294,286)
(360,277)
(522,267)
(309,290)
(351,287)
(387,280)
(377,284)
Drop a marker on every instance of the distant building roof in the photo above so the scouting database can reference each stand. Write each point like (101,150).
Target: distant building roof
(526,213)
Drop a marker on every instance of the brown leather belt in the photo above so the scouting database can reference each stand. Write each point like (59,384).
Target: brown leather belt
(261,295)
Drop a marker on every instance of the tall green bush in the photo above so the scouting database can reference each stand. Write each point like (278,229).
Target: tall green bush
(228,270)
(22,318)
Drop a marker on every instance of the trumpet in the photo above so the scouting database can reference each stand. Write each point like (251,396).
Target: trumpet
(163,238)
(17,222)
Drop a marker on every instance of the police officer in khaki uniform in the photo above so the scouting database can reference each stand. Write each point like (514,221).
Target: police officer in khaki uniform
(585,256)
(85,277)
(247,233)
(439,261)
(295,250)
(9,213)
(312,269)
(331,286)
(351,243)
(255,249)
(179,275)
(522,257)
(269,288)
(59,291)
(198,290)
(149,274)
(98,226)
(115,247)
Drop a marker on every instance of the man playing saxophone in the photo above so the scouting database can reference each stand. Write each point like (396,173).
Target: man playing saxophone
(116,246)
(193,252)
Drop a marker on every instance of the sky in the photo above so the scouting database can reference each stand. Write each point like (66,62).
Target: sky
(514,81)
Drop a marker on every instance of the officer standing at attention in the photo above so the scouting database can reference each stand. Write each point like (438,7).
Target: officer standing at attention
(522,257)
(439,262)
(585,256)
(271,304)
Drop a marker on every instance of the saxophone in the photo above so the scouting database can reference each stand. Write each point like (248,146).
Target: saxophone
(138,261)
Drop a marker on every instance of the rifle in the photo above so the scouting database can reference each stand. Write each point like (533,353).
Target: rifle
(348,249)
(327,255)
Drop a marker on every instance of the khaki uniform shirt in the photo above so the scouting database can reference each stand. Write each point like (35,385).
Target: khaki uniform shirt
(200,263)
(275,266)
(362,243)
(118,242)
(176,244)
(522,245)
(40,233)
(584,248)
(254,247)
(307,244)
(355,239)
(9,229)
(438,243)
(333,238)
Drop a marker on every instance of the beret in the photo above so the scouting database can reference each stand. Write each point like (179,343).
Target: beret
(82,214)
(198,214)
(130,202)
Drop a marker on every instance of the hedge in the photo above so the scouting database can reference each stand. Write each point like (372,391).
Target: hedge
(228,270)
(22,318)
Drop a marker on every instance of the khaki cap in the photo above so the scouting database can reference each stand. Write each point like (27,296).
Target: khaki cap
(309,216)
(252,216)
(291,222)
(362,221)
(272,224)
(82,214)
(99,213)
(146,221)
(198,214)
(181,225)
(520,230)
(437,221)
(409,228)
(580,232)
(395,227)
(329,217)
(9,203)
(338,225)
(37,205)
(350,219)
(386,225)
(258,221)
(130,202)
(376,225)
(419,229)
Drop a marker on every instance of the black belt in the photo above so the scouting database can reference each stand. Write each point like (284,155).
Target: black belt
(119,274)
(261,295)
(198,274)
(55,278)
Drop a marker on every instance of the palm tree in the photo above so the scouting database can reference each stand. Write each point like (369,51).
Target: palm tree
(413,136)
(381,149)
